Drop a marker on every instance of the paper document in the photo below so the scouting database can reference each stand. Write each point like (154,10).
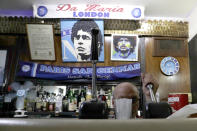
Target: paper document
(184,112)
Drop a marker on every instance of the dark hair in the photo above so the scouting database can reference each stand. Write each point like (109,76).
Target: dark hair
(87,25)
(130,38)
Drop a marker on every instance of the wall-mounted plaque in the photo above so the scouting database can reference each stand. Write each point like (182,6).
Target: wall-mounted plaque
(41,41)
(169,47)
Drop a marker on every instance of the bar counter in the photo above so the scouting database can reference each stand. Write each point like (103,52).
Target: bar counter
(13,124)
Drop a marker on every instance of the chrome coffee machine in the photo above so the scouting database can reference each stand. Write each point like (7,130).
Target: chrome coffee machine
(94,109)
(156,109)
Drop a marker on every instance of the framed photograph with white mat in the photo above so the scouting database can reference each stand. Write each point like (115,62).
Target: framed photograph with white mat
(124,47)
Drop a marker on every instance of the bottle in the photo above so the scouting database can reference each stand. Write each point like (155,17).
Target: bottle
(7,103)
(51,102)
(29,107)
(112,90)
(71,106)
(102,96)
(66,100)
(1,102)
(65,104)
(109,99)
(58,103)
(88,93)
(75,95)
(81,97)
(44,102)
(38,102)
(31,100)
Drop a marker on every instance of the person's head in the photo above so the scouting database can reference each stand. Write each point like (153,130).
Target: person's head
(124,45)
(82,38)
(129,91)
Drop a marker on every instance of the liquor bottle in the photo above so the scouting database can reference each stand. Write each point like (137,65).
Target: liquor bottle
(81,97)
(71,106)
(38,102)
(88,93)
(51,102)
(109,99)
(65,103)
(7,103)
(102,96)
(31,101)
(44,102)
(25,103)
(58,103)
(66,99)
(47,100)
(75,96)
(29,107)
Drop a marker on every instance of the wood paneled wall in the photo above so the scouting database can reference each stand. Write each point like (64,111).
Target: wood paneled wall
(178,83)
(25,55)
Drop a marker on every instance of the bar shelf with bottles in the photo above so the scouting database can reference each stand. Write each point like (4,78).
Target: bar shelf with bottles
(56,101)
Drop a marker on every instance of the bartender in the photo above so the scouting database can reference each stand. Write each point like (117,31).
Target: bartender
(130,91)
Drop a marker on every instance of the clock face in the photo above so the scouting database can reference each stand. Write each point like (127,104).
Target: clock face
(169,66)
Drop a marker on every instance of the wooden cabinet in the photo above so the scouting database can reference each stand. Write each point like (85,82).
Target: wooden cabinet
(180,82)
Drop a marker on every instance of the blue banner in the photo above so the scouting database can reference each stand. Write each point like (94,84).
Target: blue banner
(29,69)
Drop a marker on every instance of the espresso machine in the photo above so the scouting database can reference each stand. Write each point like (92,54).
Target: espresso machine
(156,109)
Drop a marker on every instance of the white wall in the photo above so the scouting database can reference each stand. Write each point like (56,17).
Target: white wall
(192,19)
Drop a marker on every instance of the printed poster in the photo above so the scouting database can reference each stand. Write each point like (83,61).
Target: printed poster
(76,39)
(124,47)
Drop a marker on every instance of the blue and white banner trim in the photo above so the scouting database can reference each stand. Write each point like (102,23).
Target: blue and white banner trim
(29,69)
(93,11)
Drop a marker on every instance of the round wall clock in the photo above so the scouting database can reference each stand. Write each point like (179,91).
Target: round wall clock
(169,65)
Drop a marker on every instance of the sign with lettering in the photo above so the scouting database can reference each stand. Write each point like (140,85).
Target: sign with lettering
(97,11)
(43,71)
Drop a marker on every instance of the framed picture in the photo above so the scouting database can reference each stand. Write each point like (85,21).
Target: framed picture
(76,39)
(41,41)
(124,47)
(3,58)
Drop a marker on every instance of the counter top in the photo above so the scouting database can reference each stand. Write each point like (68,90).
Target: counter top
(21,124)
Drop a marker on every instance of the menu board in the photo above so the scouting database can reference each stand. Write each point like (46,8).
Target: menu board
(41,41)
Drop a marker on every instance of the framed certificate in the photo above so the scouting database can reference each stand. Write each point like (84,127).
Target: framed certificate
(41,41)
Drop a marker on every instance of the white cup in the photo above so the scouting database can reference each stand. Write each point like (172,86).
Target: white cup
(123,108)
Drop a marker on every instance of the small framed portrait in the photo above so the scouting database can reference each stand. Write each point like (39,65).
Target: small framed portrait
(76,39)
(124,47)
(3,58)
